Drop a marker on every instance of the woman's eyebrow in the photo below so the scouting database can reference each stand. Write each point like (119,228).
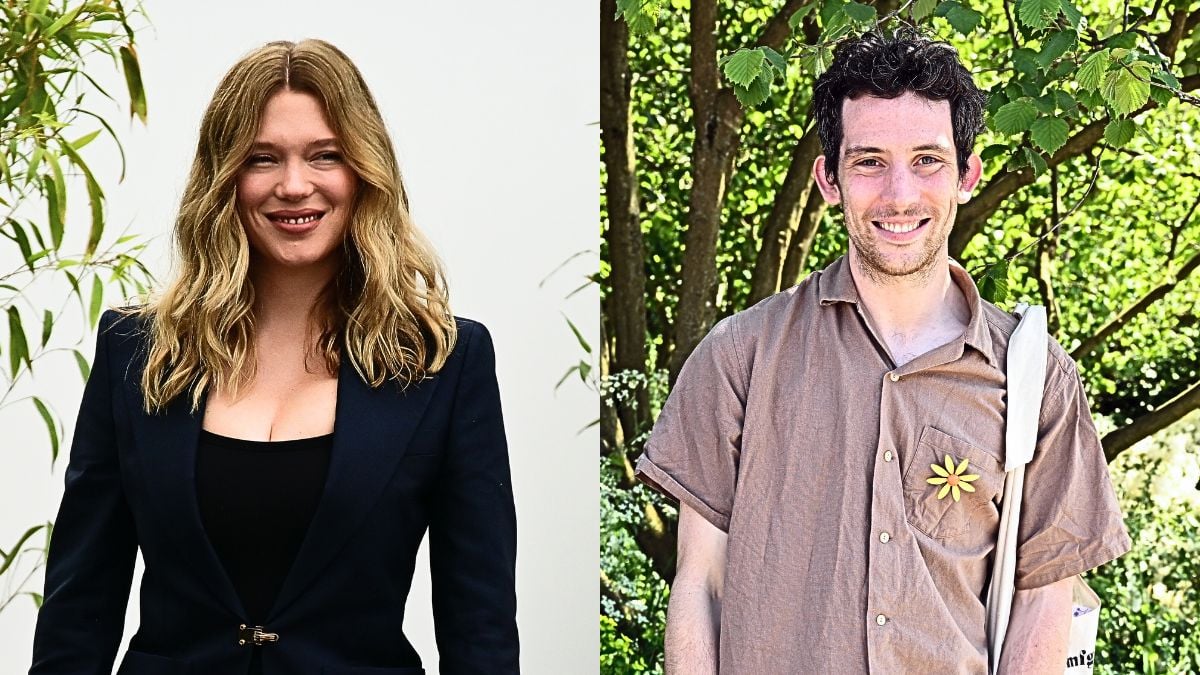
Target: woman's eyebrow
(321,142)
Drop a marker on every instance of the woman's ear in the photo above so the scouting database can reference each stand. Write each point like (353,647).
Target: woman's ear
(829,190)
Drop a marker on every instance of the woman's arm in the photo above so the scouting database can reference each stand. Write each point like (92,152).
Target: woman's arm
(93,547)
(473,529)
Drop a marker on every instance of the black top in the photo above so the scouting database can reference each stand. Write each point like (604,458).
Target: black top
(256,500)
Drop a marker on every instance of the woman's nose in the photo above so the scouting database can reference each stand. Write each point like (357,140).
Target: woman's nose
(294,182)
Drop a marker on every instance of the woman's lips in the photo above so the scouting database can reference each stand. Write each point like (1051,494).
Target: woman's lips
(296,224)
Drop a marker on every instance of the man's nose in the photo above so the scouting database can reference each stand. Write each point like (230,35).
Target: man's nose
(901,188)
(294,182)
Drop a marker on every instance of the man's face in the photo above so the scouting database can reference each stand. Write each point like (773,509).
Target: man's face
(898,184)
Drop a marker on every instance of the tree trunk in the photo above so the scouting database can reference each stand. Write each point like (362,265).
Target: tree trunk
(626,305)
(784,218)
(1120,440)
(802,240)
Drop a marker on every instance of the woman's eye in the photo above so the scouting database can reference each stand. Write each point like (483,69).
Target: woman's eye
(257,160)
(329,157)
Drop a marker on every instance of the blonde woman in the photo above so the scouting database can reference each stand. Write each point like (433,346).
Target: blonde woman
(278,428)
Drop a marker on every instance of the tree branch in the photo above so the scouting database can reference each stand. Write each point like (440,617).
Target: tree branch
(1095,340)
(973,215)
(802,239)
(1120,440)
(784,217)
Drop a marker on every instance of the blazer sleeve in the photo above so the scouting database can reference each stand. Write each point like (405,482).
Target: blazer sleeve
(93,546)
(473,530)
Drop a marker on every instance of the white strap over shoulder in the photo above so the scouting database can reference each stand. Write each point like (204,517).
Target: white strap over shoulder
(1026,370)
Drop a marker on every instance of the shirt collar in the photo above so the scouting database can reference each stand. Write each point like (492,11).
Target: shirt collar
(836,284)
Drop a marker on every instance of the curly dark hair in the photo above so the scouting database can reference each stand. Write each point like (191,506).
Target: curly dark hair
(887,66)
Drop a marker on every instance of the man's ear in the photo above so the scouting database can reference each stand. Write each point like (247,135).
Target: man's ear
(829,190)
(970,179)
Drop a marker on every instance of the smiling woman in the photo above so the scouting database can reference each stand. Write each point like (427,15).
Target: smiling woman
(278,428)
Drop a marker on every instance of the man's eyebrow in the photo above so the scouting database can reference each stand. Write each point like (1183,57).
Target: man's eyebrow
(863,150)
(933,147)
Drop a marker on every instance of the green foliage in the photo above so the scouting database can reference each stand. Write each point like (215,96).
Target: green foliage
(46,127)
(1150,595)
(1112,218)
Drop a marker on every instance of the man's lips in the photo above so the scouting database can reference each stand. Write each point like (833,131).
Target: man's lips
(904,226)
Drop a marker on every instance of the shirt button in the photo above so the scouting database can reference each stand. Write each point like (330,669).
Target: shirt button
(881,619)
(887,455)
(894,377)
(885,537)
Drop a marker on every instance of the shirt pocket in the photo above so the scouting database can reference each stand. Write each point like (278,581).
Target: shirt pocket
(945,519)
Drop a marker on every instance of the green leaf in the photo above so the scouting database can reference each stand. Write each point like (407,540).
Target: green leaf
(817,61)
(1015,117)
(85,370)
(1119,132)
(579,336)
(1038,13)
(1065,101)
(22,240)
(1092,71)
(83,140)
(47,326)
(798,15)
(758,91)
(993,151)
(133,81)
(17,547)
(744,66)
(66,18)
(1025,61)
(1166,78)
(778,61)
(1036,161)
(53,206)
(1123,91)
(1048,133)
(18,347)
(993,285)
(51,427)
(95,198)
(1057,45)
(1073,15)
(97,300)
(964,19)
(923,8)
(859,13)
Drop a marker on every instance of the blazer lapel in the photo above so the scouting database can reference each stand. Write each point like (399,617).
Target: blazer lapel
(167,452)
(372,429)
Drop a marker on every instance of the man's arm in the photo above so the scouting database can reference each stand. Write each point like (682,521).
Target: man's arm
(1038,630)
(694,613)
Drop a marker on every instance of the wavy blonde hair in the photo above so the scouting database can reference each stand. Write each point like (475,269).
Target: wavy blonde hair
(387,309)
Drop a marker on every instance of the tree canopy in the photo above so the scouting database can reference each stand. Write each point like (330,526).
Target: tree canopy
(1088,206)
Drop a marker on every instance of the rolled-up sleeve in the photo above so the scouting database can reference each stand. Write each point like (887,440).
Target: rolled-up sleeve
(1070,519)
(692,454)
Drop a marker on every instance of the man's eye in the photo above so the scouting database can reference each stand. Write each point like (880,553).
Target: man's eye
(932,160)
(869,162)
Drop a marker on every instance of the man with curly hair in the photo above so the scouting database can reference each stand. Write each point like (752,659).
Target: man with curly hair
(838,449)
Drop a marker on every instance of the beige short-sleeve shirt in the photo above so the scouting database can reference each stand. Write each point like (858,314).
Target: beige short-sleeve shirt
(791,429)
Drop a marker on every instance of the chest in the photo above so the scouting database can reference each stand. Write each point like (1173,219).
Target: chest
(285,401)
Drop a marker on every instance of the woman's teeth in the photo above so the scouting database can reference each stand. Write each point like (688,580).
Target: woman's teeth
(298,221)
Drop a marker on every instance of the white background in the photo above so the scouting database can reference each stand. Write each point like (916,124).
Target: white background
(493,107)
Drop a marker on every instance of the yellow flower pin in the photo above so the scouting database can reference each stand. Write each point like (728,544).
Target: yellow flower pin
(951,478)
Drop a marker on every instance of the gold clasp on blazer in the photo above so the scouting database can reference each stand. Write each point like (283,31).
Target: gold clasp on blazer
(255,635)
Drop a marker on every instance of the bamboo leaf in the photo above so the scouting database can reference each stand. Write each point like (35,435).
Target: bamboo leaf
(47,326)
(18,347)
(97,300)
(83,140)
(51,427)
(11,556)
(53,210)
(579,336)
(85,370)
(133,80)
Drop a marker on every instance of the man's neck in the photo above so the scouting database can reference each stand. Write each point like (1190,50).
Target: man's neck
(914,314)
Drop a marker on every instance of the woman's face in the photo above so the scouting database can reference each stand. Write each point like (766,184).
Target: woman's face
(295,191)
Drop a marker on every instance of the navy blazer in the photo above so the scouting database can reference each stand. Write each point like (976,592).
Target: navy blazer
(432,456)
